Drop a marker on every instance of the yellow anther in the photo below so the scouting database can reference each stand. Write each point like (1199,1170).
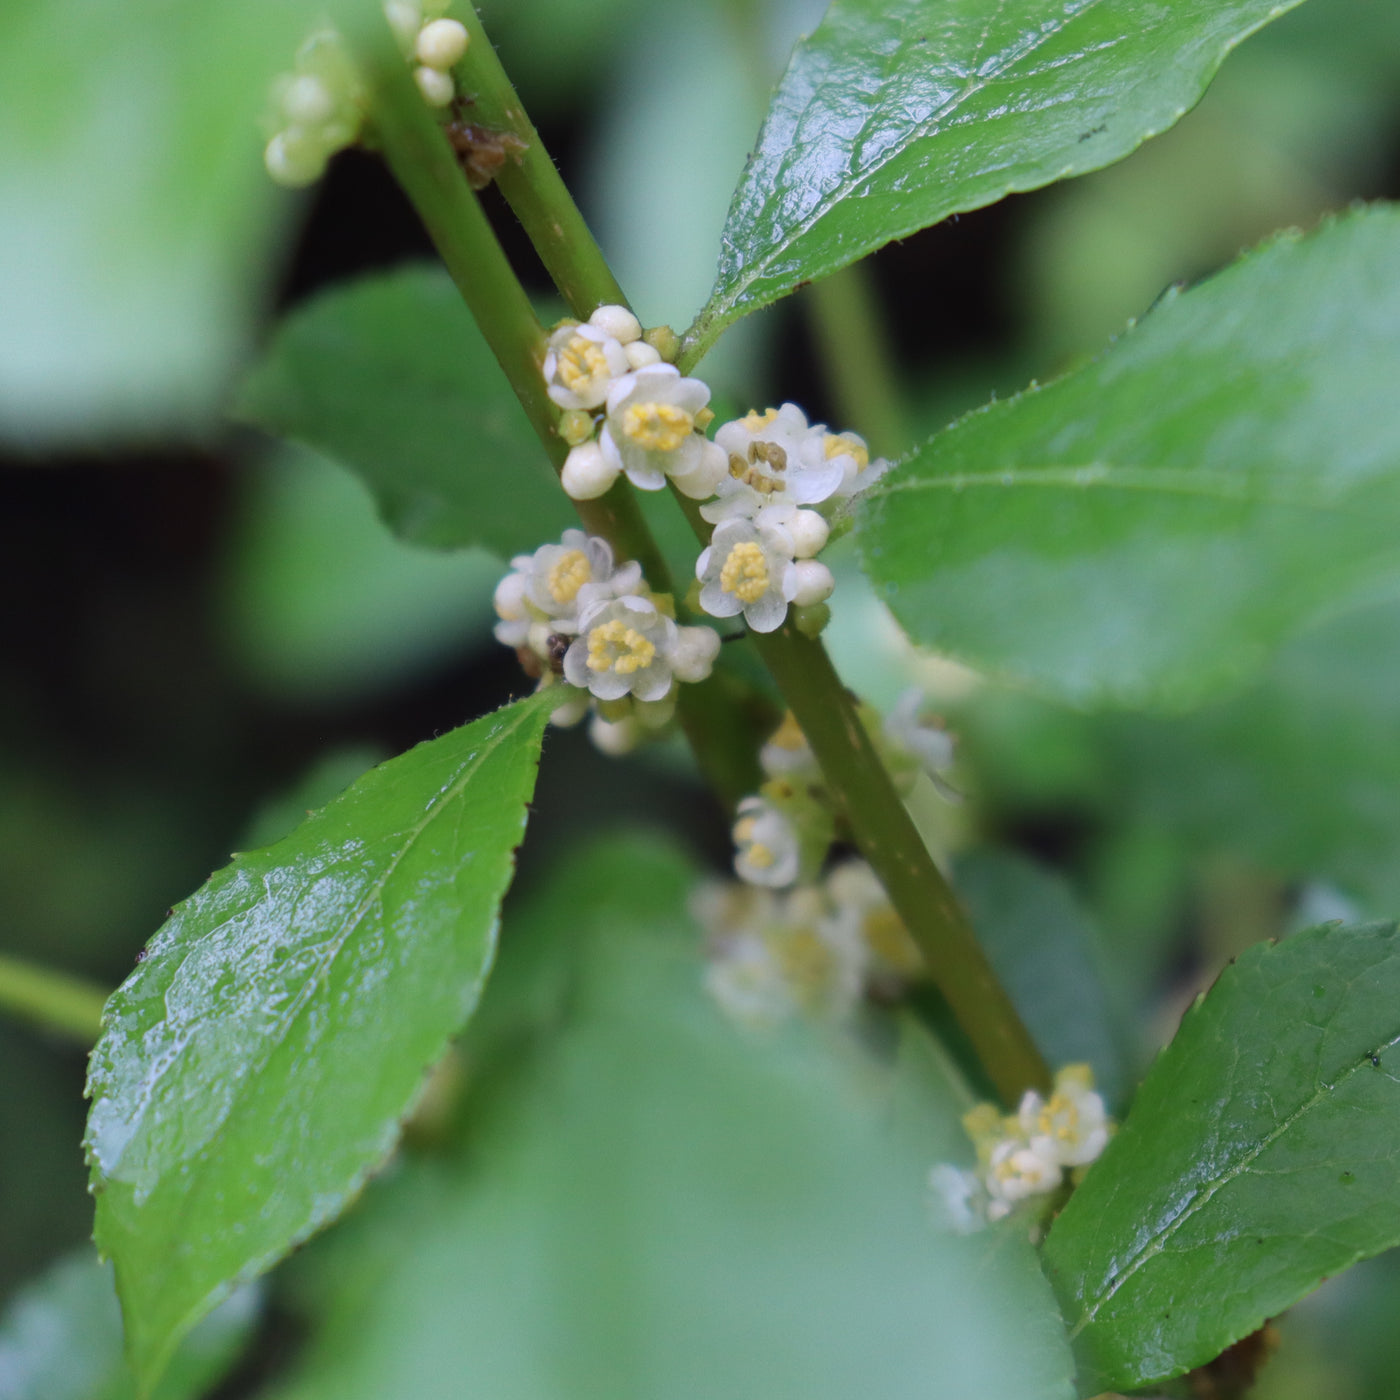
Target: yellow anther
(755,421)
(614,646)
(704,418)
(760,855)
(770,454)
(580,361)
(836,444)
(744,829)
(658,427)
(567,575)
(745,572)
(788,735)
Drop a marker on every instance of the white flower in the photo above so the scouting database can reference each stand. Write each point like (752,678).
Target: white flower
(958,1200)
(514,627)
(693,653)
(928,744)
(747,569)
(315,110)
(699,483)
(580,365)
(768,845)
(650,431)
(1072,1128)
(857,470)
(747,981)
(561,578)
(1017,1170)
(778,452)
(623,648)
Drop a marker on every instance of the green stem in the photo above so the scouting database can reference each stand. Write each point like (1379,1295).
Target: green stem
(52,1000)
(858,781)
(864,379)
(423,162)
(532,185)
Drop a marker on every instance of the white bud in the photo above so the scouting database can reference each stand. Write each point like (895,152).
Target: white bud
(640,354)
(809,532)
(438,89)
(711,469)
(693,653)
(615,738)
(814,583)
(537,638)
(307,101)
(404,18)
(618,322)
(441,44)
(294,159)
(509,599)
(652,714)
(587,473)
(571,711)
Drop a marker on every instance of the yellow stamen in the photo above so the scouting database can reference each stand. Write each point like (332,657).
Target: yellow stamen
(614,646)
(836,445)
(580,361)
(760,855)
(658,427)
(744,829)
(745,572)
(755,421)
(567,575)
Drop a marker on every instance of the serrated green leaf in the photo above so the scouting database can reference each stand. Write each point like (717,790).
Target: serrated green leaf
(61,1339)
(390,377)
(139,222)
(894,115)
(255,1067)
(656,1207)
(1147,528)
(1262,1155)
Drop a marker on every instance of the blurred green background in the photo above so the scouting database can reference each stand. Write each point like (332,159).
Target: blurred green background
(206,632)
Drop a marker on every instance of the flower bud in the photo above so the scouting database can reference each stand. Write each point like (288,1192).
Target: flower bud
(653,714)
(571,711)
(618,322)
(294,159)
(404,18)
(665,341)
(307,101)
(575,426)
(814,583)
(640,354)
(809,532)
(693,653)
(441,44)
(509,599)
(811,621)
(587,473)
(615,739)
(711,469)
(438,89)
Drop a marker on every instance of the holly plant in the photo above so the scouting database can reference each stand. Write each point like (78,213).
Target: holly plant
(858,1106)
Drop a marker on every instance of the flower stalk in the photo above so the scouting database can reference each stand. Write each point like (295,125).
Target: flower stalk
(51,1000)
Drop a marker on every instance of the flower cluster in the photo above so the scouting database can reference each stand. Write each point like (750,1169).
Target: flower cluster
(816,949)
(784,831)
(593,627)
(1025,1155)
(318,108)
(627,412)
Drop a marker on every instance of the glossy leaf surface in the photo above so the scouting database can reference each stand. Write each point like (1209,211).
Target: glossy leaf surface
(61,1339)
(390,377)
(255,1067)
(652,1206)
(1262,1155)
(1148,527)
(892,116)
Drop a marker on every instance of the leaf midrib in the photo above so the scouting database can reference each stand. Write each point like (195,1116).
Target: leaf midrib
(1159,1241)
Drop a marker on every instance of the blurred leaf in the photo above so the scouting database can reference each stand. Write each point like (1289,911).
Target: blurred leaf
(138,220)
(61,1339)
(321,601)
(1149,527)
(894,115)
(655,1206)
(1262,1155)
(255,1067)
(390,377)
(1043,947)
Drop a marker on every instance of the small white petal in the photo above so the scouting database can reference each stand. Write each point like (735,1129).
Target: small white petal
(814,583)
(571,711)
(711,469)
(438,89)
(615,738)
(441,44)
(640,354)
(693,653)
(809,532)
